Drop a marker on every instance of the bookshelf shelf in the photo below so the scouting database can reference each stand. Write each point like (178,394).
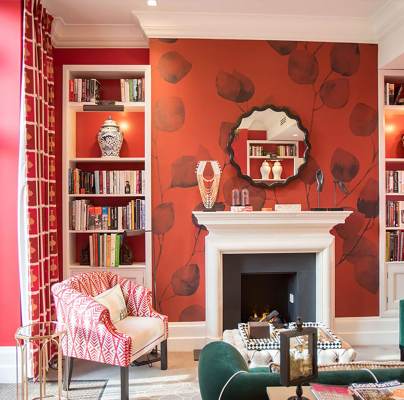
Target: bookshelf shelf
(108,160)
(81,151)
(129,232)
(394,160)
(394,107)
(91,195)
(128,106)
(135,265)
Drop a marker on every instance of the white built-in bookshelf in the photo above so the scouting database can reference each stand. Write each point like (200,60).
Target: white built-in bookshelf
(80,150)
(391,178)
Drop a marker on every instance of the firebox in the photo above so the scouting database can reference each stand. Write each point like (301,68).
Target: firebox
(257,284)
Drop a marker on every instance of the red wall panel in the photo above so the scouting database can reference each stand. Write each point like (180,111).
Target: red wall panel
(10,69)
(200,88)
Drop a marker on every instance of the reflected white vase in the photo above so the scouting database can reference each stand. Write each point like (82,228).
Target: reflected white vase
(265,170)
(277,170)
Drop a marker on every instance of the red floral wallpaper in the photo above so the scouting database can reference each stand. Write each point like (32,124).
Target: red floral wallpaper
(200,88)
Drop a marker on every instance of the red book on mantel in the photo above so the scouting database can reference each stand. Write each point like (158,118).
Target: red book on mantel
(329,392)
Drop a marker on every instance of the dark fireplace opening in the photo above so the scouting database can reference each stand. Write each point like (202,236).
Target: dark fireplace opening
(261,283)
(264,293)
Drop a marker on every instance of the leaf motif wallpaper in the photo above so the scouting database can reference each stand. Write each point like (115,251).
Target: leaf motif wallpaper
(199,89)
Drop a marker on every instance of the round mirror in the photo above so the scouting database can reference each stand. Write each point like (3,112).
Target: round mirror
(268,146)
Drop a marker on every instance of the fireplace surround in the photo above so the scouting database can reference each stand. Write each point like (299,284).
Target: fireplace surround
(262,232)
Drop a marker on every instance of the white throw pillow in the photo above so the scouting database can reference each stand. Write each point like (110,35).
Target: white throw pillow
(113,299)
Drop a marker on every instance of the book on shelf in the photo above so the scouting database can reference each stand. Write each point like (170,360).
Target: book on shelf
(395,182)
(105,249)
(106,182)
(394,93)
(132,89)
(395,245)
(84,90)
(85,216)
(394,213)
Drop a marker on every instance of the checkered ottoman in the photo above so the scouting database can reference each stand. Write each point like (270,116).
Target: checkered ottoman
(261,358)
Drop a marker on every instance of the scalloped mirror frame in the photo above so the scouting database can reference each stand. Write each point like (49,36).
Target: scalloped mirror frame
(233,135)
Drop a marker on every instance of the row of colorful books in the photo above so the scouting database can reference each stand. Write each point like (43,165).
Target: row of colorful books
(106,182)
(132,89)
(394,213)
(394,182)
(84,216)
(394,93)
(394,246)
(105,249)
(84,90)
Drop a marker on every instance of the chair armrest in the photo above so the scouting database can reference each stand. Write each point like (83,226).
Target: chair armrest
(139,300)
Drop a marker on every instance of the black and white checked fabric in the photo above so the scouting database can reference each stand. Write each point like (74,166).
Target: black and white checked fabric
(273,343)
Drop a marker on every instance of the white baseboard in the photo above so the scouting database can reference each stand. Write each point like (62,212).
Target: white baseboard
(186,336)
(368,331)
(7,364)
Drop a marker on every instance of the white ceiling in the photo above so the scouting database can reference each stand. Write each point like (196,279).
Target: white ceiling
(129,23)
(120,11)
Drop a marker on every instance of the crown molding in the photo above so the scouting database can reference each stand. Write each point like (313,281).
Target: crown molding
(255,26)
(97,35)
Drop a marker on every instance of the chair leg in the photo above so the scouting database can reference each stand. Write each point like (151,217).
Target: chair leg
(163,349)
(124,383)
(402,353)
(67,372)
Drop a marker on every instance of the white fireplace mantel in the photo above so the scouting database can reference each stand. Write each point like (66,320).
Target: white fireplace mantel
(269,232)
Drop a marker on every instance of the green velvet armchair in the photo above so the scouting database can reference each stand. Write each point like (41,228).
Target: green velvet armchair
(224,375)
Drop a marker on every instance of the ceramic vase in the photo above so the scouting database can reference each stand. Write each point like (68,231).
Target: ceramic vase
(265,170)
(277,170)
(110,139)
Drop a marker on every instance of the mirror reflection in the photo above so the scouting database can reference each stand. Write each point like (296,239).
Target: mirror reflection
(269,146)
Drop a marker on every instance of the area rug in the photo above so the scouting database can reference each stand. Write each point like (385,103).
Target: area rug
(88,389)
(178,387)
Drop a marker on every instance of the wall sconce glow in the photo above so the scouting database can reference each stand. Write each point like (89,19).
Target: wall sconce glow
(124,126)
(389,128)
(152,3)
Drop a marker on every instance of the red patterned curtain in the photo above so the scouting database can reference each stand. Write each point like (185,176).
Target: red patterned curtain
(43,268)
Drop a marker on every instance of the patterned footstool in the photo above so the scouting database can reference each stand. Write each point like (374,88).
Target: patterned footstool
(261,358)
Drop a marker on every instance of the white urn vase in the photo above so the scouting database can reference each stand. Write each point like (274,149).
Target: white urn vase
(277,170)
(265,170)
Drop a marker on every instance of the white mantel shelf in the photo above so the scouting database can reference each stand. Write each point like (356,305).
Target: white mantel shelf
(284,220)
(269,232)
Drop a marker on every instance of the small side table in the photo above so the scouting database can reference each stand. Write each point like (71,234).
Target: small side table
(39,335)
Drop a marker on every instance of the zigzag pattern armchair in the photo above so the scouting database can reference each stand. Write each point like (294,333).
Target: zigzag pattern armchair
(92,336)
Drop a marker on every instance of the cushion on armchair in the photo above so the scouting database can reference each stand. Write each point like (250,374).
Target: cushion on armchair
(145,333)
(114,301)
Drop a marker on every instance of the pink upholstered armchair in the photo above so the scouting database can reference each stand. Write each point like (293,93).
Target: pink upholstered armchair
(92,336)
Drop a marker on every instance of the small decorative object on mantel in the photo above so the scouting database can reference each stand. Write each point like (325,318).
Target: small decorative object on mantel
(298,357)
(265,170)
(319,188)
(240,202)
(288,207)
(110,139)
(208,187)
(235,197)
(277,170)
